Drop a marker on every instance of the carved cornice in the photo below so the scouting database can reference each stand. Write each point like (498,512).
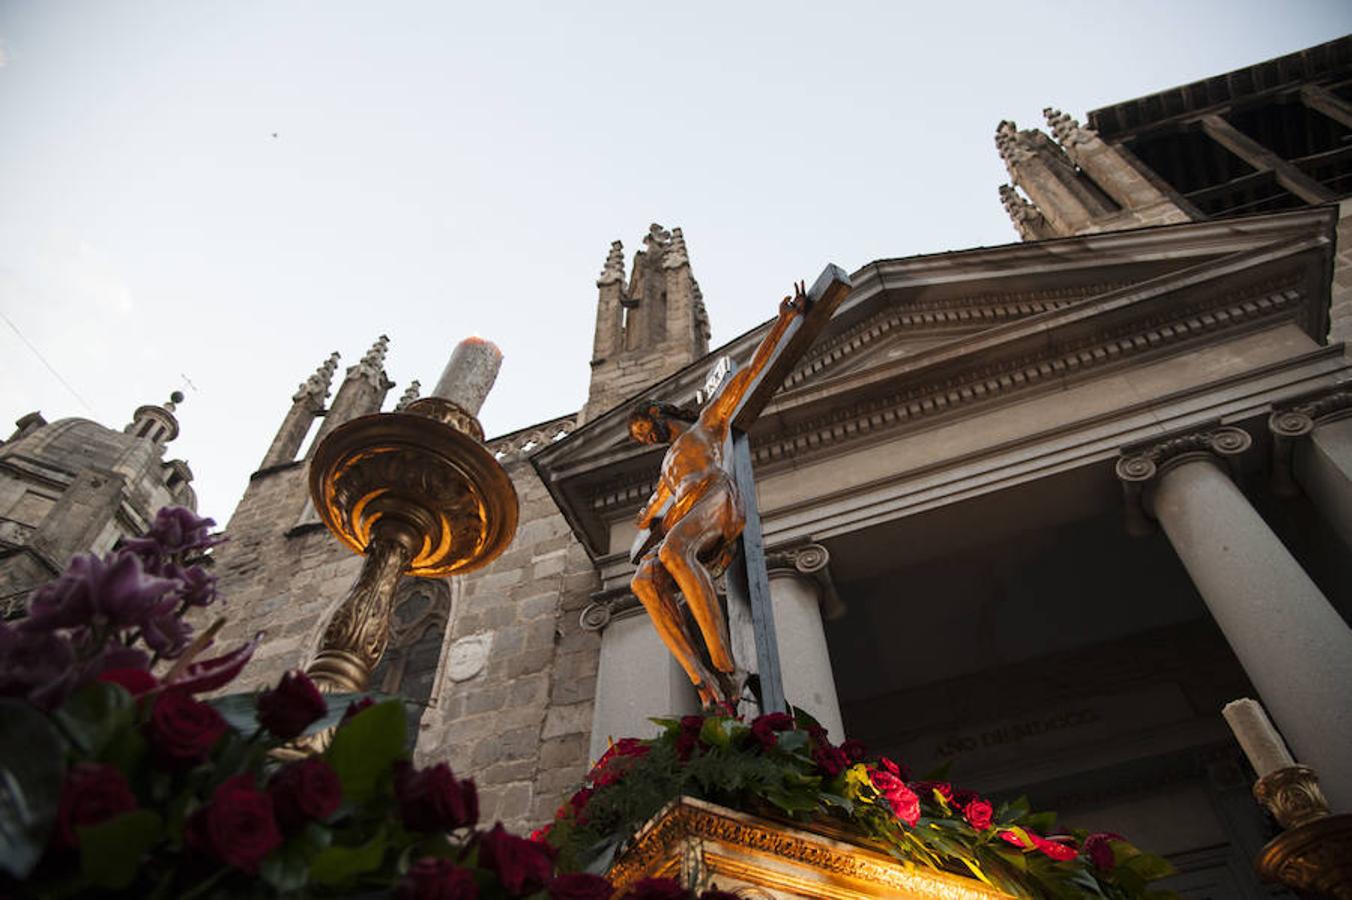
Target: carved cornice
(927,397)
(1139,466)
(962,313)
(779,857)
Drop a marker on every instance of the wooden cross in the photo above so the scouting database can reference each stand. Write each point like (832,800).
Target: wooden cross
(747,578)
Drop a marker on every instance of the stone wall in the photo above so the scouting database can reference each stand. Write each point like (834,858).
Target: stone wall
(511,702)
(520,720)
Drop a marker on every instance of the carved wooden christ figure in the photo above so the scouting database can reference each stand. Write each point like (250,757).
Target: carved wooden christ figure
(690,525)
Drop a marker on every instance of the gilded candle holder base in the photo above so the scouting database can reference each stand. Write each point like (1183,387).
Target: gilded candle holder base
(1314,858)
(1314,853)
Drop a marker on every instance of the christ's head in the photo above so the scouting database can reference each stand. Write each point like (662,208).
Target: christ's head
(650,422)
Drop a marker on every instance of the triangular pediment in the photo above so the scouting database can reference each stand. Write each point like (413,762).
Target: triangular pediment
(926,337)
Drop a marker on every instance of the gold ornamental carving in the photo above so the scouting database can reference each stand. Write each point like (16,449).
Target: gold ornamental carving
(1314,853)
(758,857)
(416,493)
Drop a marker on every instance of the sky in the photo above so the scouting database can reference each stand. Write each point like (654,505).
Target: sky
(211,197)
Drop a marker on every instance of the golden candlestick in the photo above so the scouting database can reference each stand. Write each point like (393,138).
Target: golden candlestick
(1314,853)
(416,492)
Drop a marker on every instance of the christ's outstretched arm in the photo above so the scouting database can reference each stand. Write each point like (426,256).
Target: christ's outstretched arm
(725,403)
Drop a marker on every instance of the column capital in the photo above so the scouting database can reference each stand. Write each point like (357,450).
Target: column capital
(1296,419)
(1139,466)
(811,561)
(608,605)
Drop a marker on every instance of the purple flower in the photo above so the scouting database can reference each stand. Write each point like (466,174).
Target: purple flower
(177,529)
(112,591)
(197,587)
(35,665)
(164,631)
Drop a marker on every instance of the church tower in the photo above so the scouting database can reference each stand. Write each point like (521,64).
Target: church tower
(648,327)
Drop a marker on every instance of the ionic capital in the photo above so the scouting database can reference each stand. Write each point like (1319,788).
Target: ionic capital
(812,562)
(607,605)
(1139,466)
(1296,419)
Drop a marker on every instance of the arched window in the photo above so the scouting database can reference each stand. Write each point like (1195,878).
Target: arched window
(422,607)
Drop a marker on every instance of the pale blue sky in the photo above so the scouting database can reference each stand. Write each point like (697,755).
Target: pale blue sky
(444,169)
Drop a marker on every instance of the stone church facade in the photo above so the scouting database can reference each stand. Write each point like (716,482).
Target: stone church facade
(1036,511)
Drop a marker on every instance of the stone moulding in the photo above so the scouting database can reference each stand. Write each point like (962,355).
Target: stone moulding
(761,858)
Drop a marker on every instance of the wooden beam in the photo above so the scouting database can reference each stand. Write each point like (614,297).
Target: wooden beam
(1329,104)
(824,298)
(748,579)
(1261,158)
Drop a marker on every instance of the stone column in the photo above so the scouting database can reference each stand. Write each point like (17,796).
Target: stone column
(1293,645)
(799,591)
(636,677)
(1312,447)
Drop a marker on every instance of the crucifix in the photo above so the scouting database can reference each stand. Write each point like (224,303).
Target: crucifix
(702,519)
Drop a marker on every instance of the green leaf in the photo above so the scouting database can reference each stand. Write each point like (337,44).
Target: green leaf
(792,741)
(32,766)
(1149,867)
(337,863)
(716,732)
(1041,822)
(287,867)
(94,714)
(363,749)
(110,852)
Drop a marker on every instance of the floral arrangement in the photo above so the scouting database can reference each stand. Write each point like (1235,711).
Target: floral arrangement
(785,766)
(117,779)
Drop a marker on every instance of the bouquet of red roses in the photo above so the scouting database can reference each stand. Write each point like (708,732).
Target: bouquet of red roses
(118,779)
(785,765)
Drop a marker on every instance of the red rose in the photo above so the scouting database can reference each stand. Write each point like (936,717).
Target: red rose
(522,866)
(978,814)
(898,769)
(432,800)
(304,790)
(92,793)
(237,826)
(437,879)
(905,804)
(687,741)
(928,789)
(580,886)
(854,751)
(288,709)
(1098,847)
(829,759)
(182,730)
(657,889)
(716,894)
(541,834)
(134,681)
(608,770)
(763,728)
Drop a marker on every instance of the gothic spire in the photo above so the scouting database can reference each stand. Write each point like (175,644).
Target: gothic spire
(675,254)
(317,385)
(410,394)
(613,271)
(372,365)
(1065,129)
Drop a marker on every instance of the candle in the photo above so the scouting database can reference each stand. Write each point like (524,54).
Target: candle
(469,374)
(1253,729)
